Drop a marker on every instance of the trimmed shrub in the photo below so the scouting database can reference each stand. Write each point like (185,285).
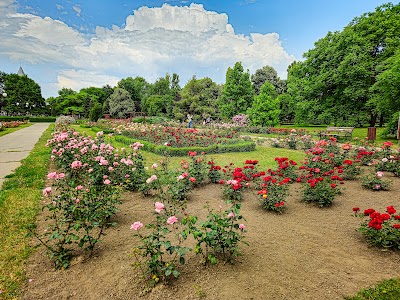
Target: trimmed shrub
(165,150)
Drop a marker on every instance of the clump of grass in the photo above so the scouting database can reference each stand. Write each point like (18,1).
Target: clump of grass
(19,205)
(384,290)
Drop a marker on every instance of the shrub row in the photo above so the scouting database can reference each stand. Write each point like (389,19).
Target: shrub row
(97,129)
(165,150)
(27,118)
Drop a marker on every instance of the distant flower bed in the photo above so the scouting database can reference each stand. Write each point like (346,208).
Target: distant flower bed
(11,124)
(171,136)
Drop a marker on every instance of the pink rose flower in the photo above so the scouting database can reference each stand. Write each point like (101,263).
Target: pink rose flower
(158,207)
(241,226)
(192,179)
(103,162)
(76,164)
(61,176)
(231,214)
(136,226)
(154,166)
(151,179)
(107,181)
(172,220)
(79,187)
(46,191)
(52,175)
(379,174)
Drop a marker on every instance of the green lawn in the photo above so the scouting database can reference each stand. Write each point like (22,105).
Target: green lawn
(19,204)
(9,130)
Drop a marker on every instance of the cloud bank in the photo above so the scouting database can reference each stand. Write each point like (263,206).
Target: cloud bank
(187,40)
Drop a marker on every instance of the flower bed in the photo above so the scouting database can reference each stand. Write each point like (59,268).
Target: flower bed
(176,141)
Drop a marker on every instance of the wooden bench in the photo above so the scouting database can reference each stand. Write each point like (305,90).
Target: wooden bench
(337,132)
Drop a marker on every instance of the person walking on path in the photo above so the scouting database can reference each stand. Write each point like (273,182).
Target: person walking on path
(16,146)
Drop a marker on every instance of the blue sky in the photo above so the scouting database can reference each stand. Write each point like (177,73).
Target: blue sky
(74,44)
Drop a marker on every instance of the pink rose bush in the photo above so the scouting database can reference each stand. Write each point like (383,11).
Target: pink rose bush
(85,191)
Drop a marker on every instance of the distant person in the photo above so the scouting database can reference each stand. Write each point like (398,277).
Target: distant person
(190,120)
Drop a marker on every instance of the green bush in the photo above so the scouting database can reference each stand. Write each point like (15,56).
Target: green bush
(96,112)
(391,126)
(27,118)
(42,119)
(97,129)
(10,118)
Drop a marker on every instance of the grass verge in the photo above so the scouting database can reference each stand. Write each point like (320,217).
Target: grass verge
(19,205)
(9,130)
(384,290)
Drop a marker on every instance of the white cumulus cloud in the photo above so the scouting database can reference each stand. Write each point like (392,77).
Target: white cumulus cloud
(187,40)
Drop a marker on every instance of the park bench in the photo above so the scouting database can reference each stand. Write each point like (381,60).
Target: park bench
(337,132)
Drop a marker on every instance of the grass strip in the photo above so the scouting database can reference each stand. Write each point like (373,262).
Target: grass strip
(9,130)
(384,290)
(19,205)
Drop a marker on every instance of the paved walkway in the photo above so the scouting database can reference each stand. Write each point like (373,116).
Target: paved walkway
(16,146)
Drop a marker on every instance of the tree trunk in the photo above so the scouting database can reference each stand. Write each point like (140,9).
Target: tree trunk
(372,119)
(381,120)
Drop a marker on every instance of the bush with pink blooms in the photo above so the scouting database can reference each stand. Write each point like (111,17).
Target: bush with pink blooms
(84,194)
(156,255)
(380,229)
(375,182)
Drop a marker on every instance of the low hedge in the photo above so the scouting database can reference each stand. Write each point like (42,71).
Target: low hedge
(42,119)
(97,129)
(245,146)
(13,118)
(28,118)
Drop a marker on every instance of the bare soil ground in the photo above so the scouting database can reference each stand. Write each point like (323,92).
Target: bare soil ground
(305,253)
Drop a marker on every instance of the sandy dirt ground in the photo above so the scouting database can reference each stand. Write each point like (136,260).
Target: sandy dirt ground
(305,253)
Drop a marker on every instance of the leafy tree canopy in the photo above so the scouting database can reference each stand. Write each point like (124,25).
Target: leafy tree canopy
(269,74)
(237,94)
(24,95)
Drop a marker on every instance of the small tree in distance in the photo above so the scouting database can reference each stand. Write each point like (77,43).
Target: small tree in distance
(265,109)
(121,104)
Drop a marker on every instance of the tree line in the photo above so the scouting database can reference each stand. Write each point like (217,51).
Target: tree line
(350,77)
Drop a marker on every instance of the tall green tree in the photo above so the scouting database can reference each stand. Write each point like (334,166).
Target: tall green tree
(267,73)
(137,88)
(265,109)
(198,98)
(161,95)
(237,94)
(336,76)
(24,95)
